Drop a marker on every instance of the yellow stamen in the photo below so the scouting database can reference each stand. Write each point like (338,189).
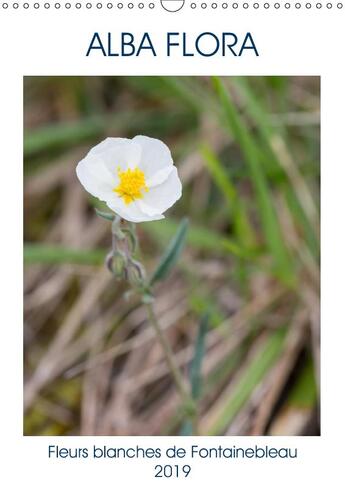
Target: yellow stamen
(132,183)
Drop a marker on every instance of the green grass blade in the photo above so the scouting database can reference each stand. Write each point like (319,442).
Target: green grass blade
(310,234)
(189,91)
(70,134)
(61,135)
(273,138)
(195,369)
(219,175)
(50,254)
(303,393)
(171,254)
(199,237)
(264,359)
(272,231)
(222,179)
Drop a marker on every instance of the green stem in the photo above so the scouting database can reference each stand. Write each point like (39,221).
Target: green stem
(175,372)
(121,247)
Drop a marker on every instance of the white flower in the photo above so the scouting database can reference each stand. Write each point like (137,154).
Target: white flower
(136,177)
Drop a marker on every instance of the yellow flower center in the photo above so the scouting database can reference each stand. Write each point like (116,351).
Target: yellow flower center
(132,183)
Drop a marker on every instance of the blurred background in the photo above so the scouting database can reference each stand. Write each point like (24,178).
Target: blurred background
(247,150)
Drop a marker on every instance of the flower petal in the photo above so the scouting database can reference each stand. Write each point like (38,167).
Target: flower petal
(132,212)
(163,196)
(108,143)
(98,173)
(95,177)
(159,177)
(155,155)
(118,153)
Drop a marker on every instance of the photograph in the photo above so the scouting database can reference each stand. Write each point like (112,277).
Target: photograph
(171,255)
